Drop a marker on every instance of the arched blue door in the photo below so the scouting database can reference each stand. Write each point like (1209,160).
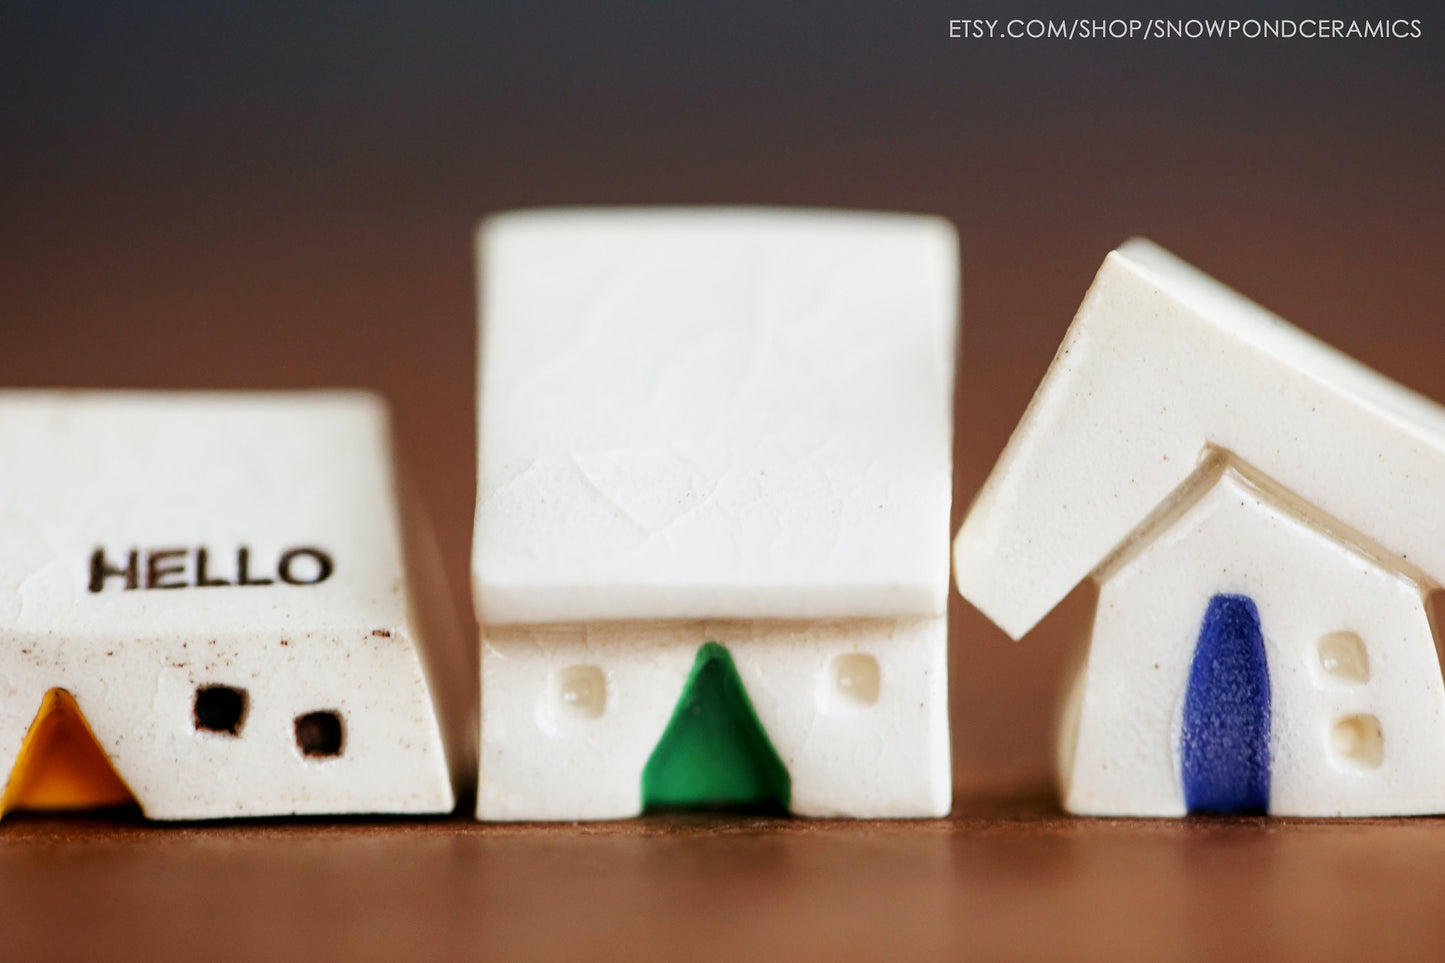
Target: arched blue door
(1224,742)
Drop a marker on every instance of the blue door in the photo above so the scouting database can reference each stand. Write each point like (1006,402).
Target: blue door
(1224,741)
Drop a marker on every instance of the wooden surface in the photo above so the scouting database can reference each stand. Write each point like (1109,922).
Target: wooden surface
(193,196)
(999,880)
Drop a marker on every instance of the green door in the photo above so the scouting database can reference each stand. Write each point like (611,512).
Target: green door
(714,752)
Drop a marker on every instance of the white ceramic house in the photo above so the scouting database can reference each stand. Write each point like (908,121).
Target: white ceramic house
(711,546)
(1261,516)
(206,606)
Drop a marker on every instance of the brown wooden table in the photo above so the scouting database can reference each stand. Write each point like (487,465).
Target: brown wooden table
(1009,879)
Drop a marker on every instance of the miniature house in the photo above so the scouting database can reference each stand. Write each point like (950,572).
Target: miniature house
(711,547)
(1260,515)
(210,609)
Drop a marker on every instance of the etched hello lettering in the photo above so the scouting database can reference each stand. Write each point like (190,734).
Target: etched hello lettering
(176,568)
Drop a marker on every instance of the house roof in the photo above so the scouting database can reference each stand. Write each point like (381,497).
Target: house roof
(1162,365)
(155,471)
(723,413)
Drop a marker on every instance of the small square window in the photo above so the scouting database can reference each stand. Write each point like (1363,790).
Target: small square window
(320,733)
(220,708)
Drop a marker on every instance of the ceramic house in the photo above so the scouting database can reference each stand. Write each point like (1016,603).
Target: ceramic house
(711,550)
(1260,515)
(209,608)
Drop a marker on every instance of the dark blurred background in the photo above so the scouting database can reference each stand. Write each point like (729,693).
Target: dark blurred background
(282,195)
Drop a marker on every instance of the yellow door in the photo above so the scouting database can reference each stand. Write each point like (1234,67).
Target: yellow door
(60,765)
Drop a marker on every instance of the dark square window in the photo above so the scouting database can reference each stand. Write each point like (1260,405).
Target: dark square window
(220,708)
(320,733)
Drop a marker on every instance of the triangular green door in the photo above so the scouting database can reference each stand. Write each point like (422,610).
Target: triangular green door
(714,751)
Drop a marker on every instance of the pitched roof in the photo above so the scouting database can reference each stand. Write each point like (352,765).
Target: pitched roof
(729,413)
(1161,365)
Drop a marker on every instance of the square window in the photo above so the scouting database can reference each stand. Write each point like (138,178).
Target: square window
(320,733)
(220,708)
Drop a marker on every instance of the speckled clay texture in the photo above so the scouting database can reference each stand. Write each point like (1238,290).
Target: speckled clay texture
(158,473)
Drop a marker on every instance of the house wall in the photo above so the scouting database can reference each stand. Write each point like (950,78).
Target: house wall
(138,695)
(545,757)
(1343,741)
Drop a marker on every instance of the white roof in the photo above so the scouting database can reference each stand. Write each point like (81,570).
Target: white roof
(153,471)
(720,413)
(1161,363)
